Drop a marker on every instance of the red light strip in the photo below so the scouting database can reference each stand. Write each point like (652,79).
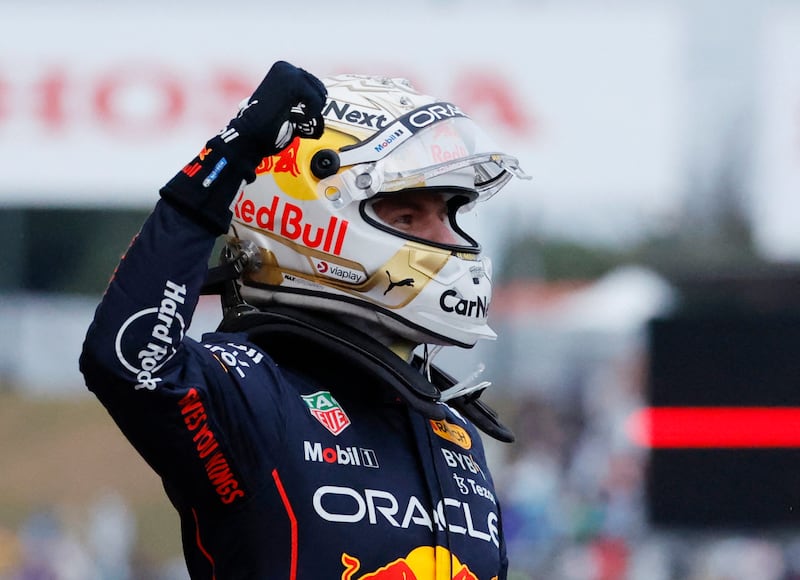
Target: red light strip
(715,427)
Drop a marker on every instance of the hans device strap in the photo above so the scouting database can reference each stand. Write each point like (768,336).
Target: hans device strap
(289,334)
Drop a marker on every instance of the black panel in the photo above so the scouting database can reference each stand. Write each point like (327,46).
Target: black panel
(725,360)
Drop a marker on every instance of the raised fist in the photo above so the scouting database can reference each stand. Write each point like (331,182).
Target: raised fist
(287,103)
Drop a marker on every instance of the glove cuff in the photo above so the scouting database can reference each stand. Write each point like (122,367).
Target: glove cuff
(205,188)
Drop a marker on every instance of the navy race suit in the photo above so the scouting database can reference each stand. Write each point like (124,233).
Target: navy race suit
(277,475)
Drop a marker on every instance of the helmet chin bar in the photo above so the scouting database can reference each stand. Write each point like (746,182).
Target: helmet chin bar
(238,300)
(387,324)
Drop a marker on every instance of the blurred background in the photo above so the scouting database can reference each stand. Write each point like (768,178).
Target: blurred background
(653,262)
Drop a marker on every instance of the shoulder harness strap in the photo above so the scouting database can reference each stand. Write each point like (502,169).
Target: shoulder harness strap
(289,334)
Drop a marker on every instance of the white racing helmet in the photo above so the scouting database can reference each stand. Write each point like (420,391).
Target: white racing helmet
(311,214)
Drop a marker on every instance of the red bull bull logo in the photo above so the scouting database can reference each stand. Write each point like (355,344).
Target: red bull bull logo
(283,162)
(422,563)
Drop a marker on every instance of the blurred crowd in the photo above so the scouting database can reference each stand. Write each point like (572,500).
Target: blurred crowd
(100,544)
(575,506)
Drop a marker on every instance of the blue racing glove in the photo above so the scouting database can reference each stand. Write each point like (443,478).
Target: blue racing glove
(288,103)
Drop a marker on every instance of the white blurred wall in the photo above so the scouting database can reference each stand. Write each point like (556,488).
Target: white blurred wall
(109,100)
(624,112)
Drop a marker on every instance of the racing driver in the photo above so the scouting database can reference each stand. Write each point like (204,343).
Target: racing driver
(310,436)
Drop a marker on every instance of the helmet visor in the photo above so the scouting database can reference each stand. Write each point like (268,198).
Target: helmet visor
(428,147)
